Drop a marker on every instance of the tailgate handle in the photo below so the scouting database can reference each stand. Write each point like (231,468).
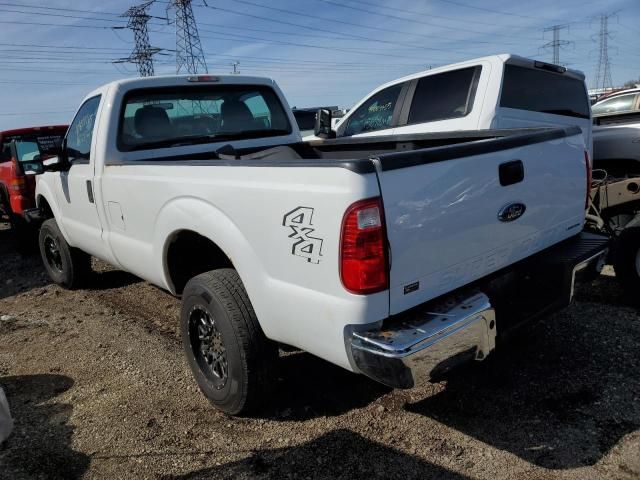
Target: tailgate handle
(511,172)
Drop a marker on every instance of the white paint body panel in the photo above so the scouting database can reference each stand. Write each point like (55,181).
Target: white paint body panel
(442,218)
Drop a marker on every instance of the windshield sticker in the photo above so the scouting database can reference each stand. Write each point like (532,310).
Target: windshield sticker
(305,246)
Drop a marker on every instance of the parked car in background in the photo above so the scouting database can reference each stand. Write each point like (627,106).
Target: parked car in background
(615,195)
(624,101)
(19,155)
(396,257)
(499,91)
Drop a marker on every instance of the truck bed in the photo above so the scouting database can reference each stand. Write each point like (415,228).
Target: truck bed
(442,196)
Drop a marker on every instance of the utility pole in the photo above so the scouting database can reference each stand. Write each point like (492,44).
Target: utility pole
(603,70)
(143,52)
(189,53)
(235,65)
(556,44)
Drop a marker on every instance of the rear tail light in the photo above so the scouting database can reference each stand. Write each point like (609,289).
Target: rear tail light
(589,177)
(18,184)
(364,266)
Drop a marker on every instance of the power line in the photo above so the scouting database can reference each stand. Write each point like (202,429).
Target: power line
(556,44)
(41,7)
(189,53)
(142,55)
(412,20)
(378,29)
(431,15)
(490,10)
(10,10)
(60,9)
(74,47)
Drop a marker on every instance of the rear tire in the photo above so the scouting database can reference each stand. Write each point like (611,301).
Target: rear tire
(627,260)
(66,265)
(230,357)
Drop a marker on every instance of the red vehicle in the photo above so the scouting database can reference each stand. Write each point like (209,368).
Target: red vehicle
(18,150)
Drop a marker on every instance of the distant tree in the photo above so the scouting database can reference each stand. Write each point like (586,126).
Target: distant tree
(631,83)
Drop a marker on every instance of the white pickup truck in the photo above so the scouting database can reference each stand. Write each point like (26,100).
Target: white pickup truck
(397,258)
(498,91)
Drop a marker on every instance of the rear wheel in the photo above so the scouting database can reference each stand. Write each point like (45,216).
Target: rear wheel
(67,266)
(229,355)
(627,260)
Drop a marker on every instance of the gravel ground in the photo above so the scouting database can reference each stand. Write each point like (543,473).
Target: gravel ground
(99,389)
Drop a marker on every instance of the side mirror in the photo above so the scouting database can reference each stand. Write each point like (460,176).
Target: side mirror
(56,159)
(33,167)
(323,124)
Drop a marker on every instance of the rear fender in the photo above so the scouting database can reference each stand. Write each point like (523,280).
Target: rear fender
(196,215)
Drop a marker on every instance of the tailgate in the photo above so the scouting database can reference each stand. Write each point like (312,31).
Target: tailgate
(455,214)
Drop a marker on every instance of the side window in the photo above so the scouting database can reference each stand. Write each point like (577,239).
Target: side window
(444,95)
(375,113)
(81,131)
(259,110)
(5,152)
(622,103)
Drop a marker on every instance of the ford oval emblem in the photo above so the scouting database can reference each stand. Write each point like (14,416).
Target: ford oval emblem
(511,212)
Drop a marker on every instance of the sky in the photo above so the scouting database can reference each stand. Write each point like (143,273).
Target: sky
(321,52)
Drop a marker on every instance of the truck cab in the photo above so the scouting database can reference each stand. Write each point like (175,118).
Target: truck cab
(498,91)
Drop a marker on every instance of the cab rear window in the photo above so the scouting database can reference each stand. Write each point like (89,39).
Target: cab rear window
(545,92)
(179,116)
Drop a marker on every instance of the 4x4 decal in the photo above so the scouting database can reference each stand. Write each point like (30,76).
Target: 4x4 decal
(300,223)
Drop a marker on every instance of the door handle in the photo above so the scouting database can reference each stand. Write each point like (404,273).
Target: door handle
(511,172)
(90,191)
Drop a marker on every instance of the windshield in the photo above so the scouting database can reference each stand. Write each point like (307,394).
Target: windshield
(157,118)
(617,104)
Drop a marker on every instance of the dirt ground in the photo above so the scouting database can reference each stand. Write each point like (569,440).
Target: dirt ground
(99,389)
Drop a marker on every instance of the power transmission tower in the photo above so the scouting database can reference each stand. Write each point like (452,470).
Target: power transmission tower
(143,52)
(603,70)
(189,53)
(556,44)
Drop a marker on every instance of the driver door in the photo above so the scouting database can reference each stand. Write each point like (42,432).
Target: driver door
(75,187)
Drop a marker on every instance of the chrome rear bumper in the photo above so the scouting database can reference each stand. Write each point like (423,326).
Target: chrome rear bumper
(422,344)
(426,344)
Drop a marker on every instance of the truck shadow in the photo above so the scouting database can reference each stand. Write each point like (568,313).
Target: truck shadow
(40,445)
(560,396)
(19,272)
(340,454)
(606,290)
(110,280)
(309,387)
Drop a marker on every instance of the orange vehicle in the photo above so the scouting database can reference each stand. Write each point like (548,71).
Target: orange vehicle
(20,152)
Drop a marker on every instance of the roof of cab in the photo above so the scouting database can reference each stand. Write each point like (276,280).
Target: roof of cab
(26,130)
(503,58)
(177,80)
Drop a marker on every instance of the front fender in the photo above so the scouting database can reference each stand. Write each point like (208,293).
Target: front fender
(45,192)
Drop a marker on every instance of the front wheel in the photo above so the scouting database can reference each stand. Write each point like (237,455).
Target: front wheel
(627,260)
(67,266)
(230,357)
